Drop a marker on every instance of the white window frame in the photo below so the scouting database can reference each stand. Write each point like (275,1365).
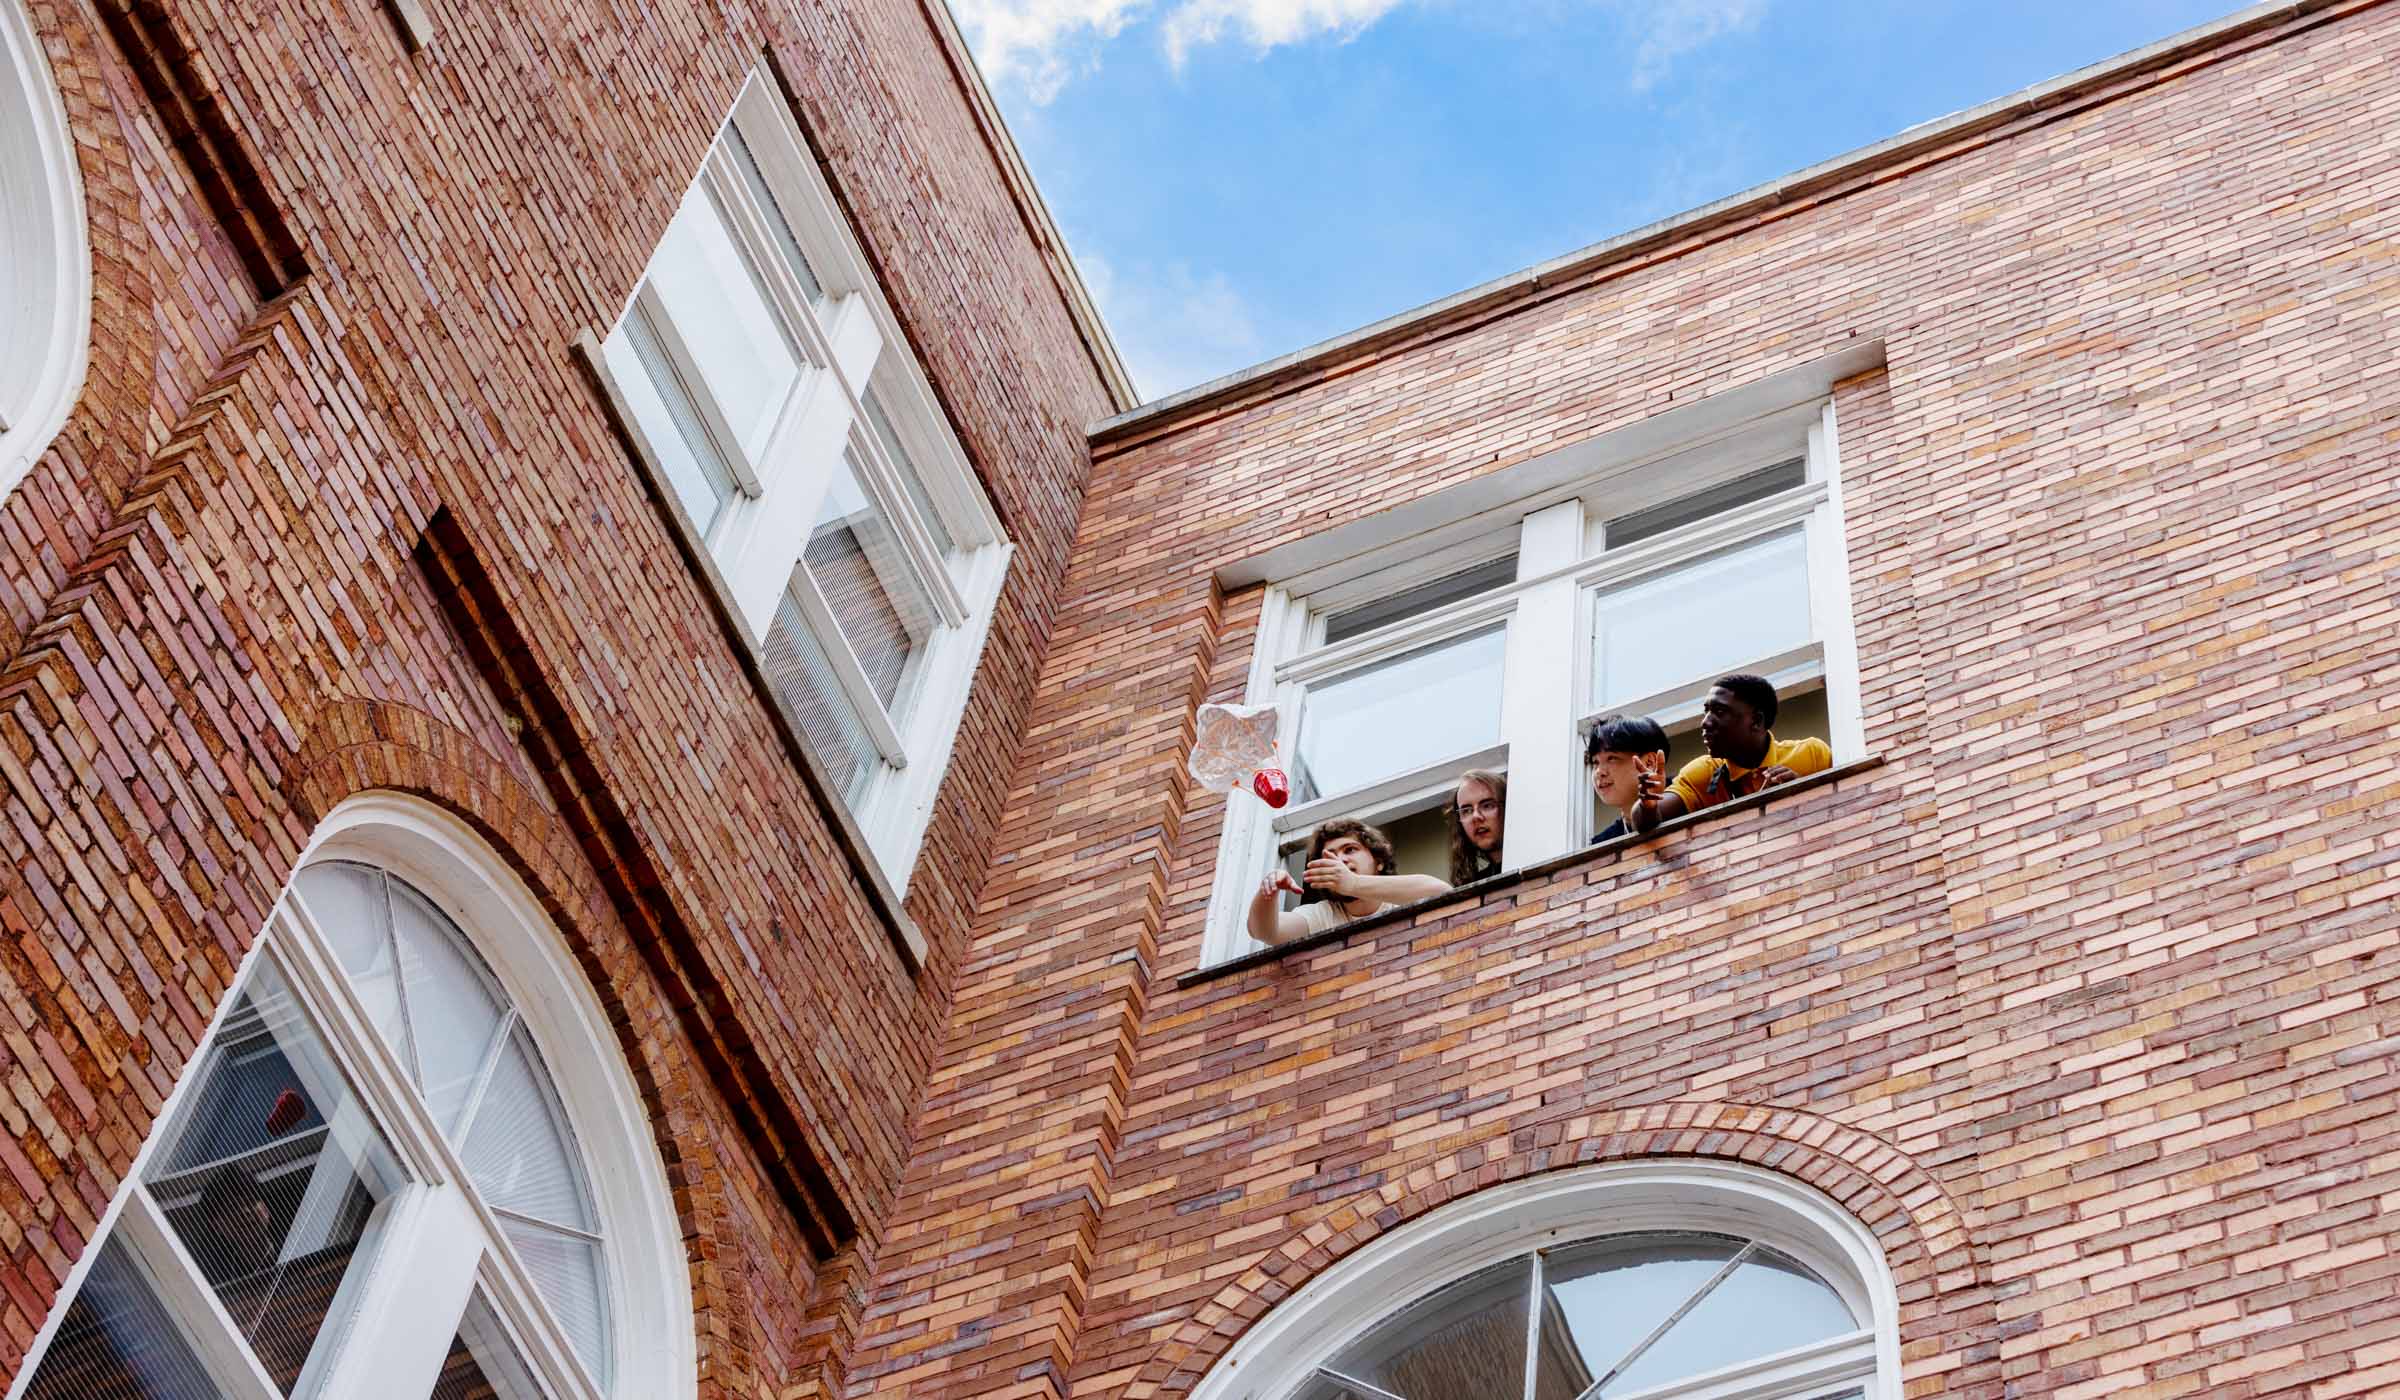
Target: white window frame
(1284,1349)
(45,253)
(1547,703)
(438,1242)
(850,344)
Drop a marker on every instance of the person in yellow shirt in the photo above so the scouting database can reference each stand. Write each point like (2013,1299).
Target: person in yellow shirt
(1744,756)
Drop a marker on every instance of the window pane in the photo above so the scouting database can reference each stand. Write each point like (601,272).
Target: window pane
(520,1153)
(567,1271)
(1721,614)
(274,1176)
(723,315)
(347,902)
(1769,1304)
(118,1343)
(1601,1299)
(875,593)
(662,407)
(802,676)
(1424,598)
(1434,703)
(1465,1342)
(483,1363)
(1716,500)
(454,1009)
(777,224)
(911,480)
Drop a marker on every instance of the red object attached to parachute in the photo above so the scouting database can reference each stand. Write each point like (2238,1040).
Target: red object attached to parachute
(1272,787)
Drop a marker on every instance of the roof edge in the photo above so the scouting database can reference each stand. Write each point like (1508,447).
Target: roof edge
(1052,245)
(1313,362)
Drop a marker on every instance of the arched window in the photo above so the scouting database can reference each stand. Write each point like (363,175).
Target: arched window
(408,1161)
(45,262)
(1658,1280)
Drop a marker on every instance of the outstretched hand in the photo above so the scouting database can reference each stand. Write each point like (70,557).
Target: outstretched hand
(1279,880)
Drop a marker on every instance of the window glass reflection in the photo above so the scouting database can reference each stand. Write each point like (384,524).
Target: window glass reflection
(118,1343)
(1437,702)
(1466,1342)
(1724,613)
(274,1176)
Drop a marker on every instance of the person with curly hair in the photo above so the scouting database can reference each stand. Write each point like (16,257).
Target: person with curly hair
(1478,824)
(1350,873)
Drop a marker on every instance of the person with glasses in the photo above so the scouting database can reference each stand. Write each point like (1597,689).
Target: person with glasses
(1478,821)
(1351,872)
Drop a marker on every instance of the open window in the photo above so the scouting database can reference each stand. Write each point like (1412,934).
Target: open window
(778,406)
(1497,640)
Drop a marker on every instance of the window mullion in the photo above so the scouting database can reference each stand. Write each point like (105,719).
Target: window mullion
(1537,707)
(1533,1328)
(1829,594)
(426,1268)
(483,1077)
(857,687)
(880,477)
(185,1293)
(731,450)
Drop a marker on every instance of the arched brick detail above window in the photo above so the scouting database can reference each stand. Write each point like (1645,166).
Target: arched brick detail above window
(1928,1239)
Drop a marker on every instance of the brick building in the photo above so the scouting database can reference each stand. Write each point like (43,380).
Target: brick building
(598,668)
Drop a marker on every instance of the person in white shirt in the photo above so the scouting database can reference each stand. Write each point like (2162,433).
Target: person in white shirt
(1351,871)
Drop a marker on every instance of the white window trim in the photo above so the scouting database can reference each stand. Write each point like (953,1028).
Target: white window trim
(45,253)
(1284,1348)
(429,1253)
(850,341)
(1546,699)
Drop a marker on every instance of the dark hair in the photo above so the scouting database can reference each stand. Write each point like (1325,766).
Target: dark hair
(1754,691)
(1378,845)
(1624,734)
(1463,853)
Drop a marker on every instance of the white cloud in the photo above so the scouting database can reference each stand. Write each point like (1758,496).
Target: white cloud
(1174,327)
(1039,46)
(1672,28)
(1035,44)
(1267,23)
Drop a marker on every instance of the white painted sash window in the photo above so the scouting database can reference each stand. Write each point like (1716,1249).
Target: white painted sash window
(45,254)
(369,1181)
(773,395)
(1499,647)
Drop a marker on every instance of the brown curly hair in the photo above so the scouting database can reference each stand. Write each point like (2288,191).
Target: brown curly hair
(1463,854)
(1378,845)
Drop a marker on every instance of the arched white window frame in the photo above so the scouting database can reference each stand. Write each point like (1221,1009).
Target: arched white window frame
(45,253)
(653,1350)
(1284,1349)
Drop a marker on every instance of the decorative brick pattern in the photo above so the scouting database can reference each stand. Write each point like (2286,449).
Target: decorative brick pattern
(2084,999)
(212,631)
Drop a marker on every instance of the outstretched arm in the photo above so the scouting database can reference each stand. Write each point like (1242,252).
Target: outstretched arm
(1324,873)
(1268,922)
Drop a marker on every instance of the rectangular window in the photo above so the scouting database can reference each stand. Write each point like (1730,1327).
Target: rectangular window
(1631,597)
(771,392)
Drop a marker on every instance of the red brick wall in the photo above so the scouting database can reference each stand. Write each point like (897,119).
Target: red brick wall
(214,632)
(2084,1000)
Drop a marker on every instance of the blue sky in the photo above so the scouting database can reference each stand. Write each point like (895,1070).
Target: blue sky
(1239,178)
